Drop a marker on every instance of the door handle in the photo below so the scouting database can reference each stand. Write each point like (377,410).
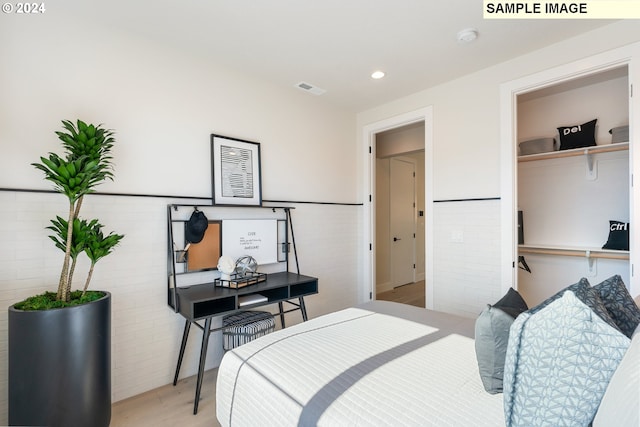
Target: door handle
(395,239)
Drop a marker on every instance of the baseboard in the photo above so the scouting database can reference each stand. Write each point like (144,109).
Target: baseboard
(383,287)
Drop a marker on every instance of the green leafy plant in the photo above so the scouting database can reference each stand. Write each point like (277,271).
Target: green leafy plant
(86,163)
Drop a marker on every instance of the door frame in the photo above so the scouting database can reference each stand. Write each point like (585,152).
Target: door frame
(368,291)
(508,135)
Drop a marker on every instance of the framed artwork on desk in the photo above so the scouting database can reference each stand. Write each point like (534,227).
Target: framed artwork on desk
(235,166)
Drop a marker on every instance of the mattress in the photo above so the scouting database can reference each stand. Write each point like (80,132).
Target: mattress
(379,364)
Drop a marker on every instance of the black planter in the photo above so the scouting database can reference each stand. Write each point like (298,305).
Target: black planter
(60,366)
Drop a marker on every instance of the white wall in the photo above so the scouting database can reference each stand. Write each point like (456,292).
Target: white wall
(467,158)
(163,105)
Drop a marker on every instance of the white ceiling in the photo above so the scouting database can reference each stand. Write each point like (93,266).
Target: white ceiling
(335,44)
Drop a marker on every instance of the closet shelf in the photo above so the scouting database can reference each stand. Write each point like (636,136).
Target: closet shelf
(573,251)
(606,148)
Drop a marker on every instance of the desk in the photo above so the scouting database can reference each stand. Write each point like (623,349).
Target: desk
(206,301)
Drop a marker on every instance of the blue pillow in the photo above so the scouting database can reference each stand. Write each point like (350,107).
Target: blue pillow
(559,362)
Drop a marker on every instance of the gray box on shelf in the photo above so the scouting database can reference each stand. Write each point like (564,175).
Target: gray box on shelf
(619,134)
(537,146)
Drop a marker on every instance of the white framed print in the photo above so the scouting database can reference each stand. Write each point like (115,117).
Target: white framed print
(251,237)
(235,167)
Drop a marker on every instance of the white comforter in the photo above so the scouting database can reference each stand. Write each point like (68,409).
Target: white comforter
(360,366)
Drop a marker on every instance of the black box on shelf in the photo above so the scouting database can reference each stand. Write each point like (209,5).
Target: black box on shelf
(520,228)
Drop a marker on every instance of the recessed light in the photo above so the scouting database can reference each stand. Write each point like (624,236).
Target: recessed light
(377,74)
(467,35)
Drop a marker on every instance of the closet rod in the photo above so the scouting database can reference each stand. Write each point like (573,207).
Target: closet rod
(575,252)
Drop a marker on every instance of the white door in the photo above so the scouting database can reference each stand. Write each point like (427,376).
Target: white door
(402,218)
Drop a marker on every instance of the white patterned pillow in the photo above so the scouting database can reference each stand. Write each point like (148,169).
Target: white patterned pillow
(558,364)
(621,401)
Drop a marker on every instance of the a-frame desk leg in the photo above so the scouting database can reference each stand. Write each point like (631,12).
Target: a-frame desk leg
(185,336)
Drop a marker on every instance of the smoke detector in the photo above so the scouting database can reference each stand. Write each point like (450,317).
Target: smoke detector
(467,35)
(308,87)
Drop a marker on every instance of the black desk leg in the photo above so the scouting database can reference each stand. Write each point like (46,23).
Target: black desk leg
(203,358)
(280,306)
(303,309)
(185,335)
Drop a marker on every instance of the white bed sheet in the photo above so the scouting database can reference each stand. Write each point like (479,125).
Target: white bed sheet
(381,364)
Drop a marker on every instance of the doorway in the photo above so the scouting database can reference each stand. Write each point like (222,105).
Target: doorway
(367,289)
(399,211)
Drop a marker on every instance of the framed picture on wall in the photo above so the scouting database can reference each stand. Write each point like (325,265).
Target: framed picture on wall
(235,166)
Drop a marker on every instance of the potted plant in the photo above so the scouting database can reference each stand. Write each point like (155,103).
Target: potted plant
(60,342)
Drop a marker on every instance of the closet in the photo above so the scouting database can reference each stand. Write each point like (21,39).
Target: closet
(568,197)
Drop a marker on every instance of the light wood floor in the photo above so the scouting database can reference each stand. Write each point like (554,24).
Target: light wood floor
(412,293)
(170,406)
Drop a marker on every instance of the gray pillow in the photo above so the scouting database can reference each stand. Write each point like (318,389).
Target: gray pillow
(618,302)
(492,337)
(585,293)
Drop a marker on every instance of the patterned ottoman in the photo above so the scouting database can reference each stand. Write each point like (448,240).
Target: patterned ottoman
(245,326)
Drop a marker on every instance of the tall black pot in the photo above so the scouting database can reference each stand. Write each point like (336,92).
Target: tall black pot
(60,366)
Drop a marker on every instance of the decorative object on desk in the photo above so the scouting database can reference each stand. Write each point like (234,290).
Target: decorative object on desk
(226,267)
(246,265)
(60,344)
(195,227)
(618,236)
(237,281)
(235,165)
(578,136)
(244,273)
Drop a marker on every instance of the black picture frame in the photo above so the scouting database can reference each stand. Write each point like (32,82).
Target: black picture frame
(236,171)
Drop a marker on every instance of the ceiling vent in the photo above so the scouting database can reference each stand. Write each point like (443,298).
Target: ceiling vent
(307,87)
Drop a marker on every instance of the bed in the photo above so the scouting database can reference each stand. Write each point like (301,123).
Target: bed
(570,361)
(381,363)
